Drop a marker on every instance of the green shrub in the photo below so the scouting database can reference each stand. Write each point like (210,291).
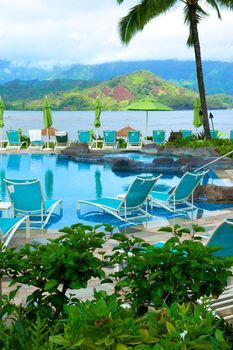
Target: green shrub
(182,270)
(102,324)
(67,262)
(222,146)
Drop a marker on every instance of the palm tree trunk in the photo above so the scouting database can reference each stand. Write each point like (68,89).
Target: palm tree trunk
(200,78)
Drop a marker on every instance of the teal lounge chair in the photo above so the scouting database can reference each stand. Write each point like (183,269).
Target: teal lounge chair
(231,135)
(27,199)
(13,140)
(214,134)
(132,201)
(134,140)
(84,136)
(186,133)
(180,194)
(110,139)
(8,227)
(62,140)
(36,142)
(223,237)
(158,137)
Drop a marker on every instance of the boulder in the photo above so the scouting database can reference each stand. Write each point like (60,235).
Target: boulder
(125,164)
(76,150)
(219,193)
(163,163)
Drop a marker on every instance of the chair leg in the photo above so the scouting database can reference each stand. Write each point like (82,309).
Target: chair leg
(27,227)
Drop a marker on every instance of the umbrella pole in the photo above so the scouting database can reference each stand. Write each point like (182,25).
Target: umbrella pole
(146,124)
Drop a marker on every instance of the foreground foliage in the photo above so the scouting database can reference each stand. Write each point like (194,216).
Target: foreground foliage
(160,286)
(182,270)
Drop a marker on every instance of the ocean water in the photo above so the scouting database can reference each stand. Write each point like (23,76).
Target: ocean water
(83,120)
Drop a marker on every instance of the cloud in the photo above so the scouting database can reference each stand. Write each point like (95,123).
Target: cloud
(45,32)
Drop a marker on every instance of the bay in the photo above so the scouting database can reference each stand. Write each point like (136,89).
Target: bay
(72,121)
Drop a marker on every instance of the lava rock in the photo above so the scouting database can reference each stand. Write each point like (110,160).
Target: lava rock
(76,149)
(218,193)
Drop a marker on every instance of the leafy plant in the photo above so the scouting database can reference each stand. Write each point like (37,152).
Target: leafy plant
(67,262)
(102,324)
(182,270)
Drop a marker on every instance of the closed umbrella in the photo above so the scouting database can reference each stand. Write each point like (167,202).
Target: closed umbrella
(1,116)
(147,104)
(98,110)
(197,118)
(47,113)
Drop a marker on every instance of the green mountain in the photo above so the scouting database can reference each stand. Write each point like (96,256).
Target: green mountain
(115,94)
(218,75)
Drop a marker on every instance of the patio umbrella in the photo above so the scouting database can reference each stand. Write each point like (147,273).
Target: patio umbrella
(1,116)
(124,132)
(47,113)
(147,104)
(98,110)
(197,118)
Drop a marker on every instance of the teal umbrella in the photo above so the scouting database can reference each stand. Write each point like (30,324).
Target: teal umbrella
(47,113)
(147,104)
(197,119)
(98,110)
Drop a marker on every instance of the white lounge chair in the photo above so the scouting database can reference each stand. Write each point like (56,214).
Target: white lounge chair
(36,141)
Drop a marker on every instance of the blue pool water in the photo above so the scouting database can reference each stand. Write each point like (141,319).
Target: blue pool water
(70,181)
(141,157)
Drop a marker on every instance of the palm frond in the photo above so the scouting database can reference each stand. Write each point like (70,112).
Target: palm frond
(200,14)
(140,15)
(214,4)
(120,1)
(228,4)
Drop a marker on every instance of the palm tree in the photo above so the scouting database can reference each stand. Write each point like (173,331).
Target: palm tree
(147,10)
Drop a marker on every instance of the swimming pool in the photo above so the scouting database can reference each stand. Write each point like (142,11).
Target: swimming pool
(70,181)
(141,157)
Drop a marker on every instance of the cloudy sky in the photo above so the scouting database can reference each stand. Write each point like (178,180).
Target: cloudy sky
(47,32)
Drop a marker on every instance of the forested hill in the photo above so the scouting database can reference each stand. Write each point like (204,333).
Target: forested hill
(115,94)
(218,75)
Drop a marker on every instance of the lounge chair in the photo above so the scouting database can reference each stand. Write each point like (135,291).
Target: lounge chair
(62,140)
(132,201)
(110,140)
(27,199)
(214,134)
(180,194)
(84,136)
(231,135)
(8,227)
(186,133)
(36,142)
(134,140)
(158,137)
(223,237)
(13,140)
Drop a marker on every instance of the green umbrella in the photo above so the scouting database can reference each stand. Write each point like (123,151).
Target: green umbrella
(98,109)
(47,113)
(147,104)
(197,119)
(1,113)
